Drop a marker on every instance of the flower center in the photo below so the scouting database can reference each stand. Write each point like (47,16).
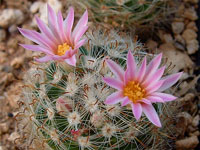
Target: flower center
(62,49)
(134,91)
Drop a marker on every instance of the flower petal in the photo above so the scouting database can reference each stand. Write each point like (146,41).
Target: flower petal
(36,37)
(116,69)
(155,87)
(60,26)
(144,100)
(153,66)
(151,114)
(71,60)
(169,81)
(126,101)
(68,23)
(137,110)
(113,83)
(114,98)
(155,99)
(80,43)
(165,97)
(80,34)
(142,70)
(44,59)
(46,31)
(80,27)
(131,67)
(151,81)
(37,48)
(52,22)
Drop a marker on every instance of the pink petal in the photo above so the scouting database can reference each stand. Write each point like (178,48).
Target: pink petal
(149,83)
(153,66)
(126,102)
(116,69)
(155,99)
(131,67)
(47,32)
(113,83)
(44,59)
(80,43)
(71,60)
(52,22)
(36,37)
(151,114)
(37,48)
(144,100)
(165,97)
(170,80)
(114,98)
(80,27)
(155,87)
(60,26)
(68,23)
(137,110)
(142,70)
(80,34)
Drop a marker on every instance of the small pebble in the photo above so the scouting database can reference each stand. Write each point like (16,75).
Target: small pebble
(192,46)
(190,14)
(177,27)
(187,143)
(189,35)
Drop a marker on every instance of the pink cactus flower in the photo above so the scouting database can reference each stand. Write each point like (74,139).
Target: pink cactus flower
(57,40)
(140,86)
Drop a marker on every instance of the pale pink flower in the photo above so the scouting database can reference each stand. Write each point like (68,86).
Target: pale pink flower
(140,86)
(57,40)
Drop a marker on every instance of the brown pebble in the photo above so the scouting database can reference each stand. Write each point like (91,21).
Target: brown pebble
(187,143)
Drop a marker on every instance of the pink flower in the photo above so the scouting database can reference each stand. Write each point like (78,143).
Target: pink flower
(140,86)
(57,40)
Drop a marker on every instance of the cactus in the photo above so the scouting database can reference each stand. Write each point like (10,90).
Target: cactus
(63,106)
(127,14)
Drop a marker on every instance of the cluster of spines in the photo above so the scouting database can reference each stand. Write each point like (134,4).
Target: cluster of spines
(127,13)
(63,107)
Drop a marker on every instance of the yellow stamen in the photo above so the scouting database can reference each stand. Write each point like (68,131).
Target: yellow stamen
(62,49)
(134,91)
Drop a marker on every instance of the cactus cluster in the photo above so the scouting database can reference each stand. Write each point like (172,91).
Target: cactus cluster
(62,107)
(127,14)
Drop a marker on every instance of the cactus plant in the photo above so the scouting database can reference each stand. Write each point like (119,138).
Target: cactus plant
(63,107)
(127,14)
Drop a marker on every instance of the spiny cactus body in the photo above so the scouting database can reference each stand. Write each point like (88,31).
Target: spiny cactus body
(63,107)
(127,14)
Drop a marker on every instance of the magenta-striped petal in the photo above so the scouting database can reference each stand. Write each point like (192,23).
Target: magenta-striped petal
(153,66)
(151,81)
(116,69)
(142,70)
(113,83)
(68,23)
(80,34)
(36,37)
(131,67)
(155,99)
(137,110)
(114,98)
(169,81)
(165,97)
(37,48)
(144,100)
(71,60)
(151,114)
(126,101)
(47,32)
(52,22)
(155,87)
(44,59)
(80,27)
(80,43)
(61,27)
